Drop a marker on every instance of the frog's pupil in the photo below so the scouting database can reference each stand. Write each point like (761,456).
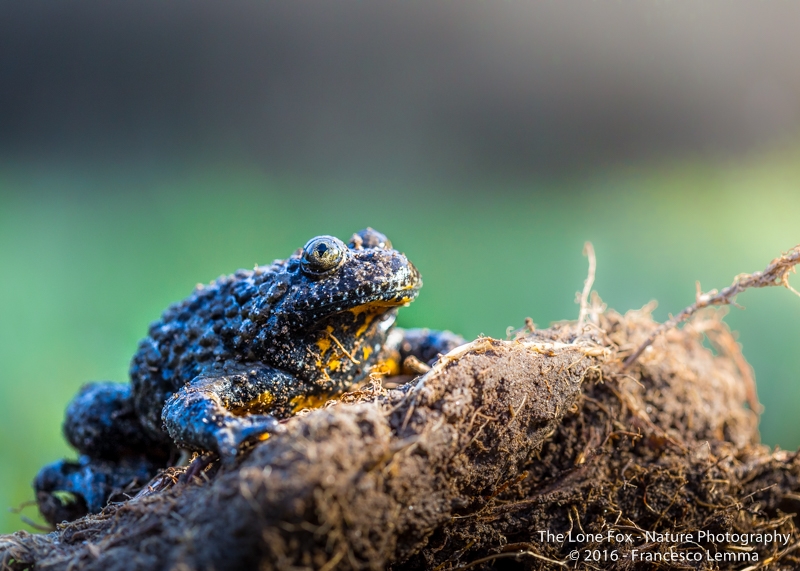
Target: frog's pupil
(321,249)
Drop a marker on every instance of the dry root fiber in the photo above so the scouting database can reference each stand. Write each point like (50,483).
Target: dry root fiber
(471,464)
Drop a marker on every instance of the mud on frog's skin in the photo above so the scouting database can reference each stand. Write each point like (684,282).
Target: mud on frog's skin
(223,366)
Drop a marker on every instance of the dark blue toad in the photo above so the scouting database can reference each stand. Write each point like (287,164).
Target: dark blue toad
(223,367)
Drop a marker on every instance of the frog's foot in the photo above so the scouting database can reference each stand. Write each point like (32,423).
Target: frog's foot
(67,490)
(239,431)
(410,348)
(220,414)
(56,492)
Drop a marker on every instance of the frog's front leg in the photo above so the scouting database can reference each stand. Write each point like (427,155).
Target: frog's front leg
(220,412)
(409,347)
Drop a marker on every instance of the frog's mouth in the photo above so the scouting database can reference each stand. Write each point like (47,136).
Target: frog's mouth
(352,291)
(373,303)
(392,298)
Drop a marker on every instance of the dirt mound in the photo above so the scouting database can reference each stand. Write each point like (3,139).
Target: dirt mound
(510,454)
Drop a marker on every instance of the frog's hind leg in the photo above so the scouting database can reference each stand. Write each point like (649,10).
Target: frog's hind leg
(67,490)
(410,348)
(116,454)
(101,422)
(220,413)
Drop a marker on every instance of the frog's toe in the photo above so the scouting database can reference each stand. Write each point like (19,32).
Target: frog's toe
(244,429)
(57,500)
(227,446)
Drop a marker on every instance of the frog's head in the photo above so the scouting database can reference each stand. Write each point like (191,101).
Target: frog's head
(365,274)
(338,304)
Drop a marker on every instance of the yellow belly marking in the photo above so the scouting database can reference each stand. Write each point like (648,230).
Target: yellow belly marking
(261,404)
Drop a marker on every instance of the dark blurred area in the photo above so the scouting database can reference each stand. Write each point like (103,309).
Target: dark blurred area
(396,88)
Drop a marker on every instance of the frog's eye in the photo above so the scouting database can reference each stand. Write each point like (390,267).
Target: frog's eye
(322,254)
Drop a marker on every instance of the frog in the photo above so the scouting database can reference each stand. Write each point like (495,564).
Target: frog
(226,367)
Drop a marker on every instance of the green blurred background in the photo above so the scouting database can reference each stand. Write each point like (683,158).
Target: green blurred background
(145,150)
